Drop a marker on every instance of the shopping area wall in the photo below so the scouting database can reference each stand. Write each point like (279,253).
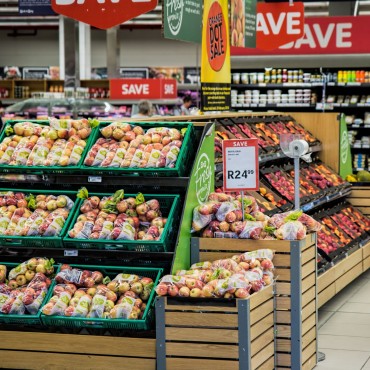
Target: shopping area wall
(139,47)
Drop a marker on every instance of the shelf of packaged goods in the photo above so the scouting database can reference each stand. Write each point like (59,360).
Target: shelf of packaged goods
(356,169)
(358,126)
(270,85)
(277,105)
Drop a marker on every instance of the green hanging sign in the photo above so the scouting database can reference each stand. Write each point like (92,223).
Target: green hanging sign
(202,182)
(345,157)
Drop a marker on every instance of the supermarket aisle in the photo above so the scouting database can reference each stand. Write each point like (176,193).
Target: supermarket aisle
(344,328)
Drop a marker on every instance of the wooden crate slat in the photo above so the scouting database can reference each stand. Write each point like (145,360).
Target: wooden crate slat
(308,351)
(202,335)
(281,260)
(262,311)
(308,296)
(308,282)
(263,295)
(310,363)
(308,254)
(359,193)
(366,251)
(283,317)
(202,350)
(203,320)
(213,256)
(326,294)
(283,331)
(343,266)
(34,360)
(308,324)
(261,326)
(191,305)
(283,359)
(268,365)
(262,356)
(88,344)
(366,264)
(308,268)
(309,337)
(259,343)
(325,279)
(282,288)
(364,210)
(360,201)
(283,303)
(309,309)
(204,364)
(348,277)
(282,274)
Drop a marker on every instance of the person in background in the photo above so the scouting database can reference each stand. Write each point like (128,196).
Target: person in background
(187,102)
(145,109)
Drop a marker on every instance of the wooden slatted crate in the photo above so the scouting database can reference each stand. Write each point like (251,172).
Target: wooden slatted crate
(360,198)
(296,292)
(34,350)
(216,334)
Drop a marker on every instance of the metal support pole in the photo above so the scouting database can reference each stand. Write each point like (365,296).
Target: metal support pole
(84,42)
(296,305)
(113,52)
(296,183)
(160,333)
(72,75)
(194,250)
(244,334)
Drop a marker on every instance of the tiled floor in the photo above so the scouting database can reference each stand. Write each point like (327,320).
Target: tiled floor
(344,328)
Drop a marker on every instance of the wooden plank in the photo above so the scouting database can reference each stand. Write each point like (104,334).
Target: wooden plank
(283,303)
(204,364)
(308,254)
(325,279)
(348,277)
(282,274)
(37,360)
(310,363)
(213,256)
(283,359)
(343,266)
(282,288)
(194,350)
(308,296)
(308,282)
(309,337)
(262,296)
(366,251)
(262,311)
(366,264)
(308,324)
(283,331)
(308,351)
(191,305)
(309,309)
(326,294)
(360,202)
(281,260)
(261,326)
(268,365)
(260,343)
(359,193)
(202,335)
(262,356)
(80,344)
(283,317)
(364,210)
(308,268)
(192,319)
(284,345)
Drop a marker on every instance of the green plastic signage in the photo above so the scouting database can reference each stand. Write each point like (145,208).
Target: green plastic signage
(182,20)
(345,158)
(200,185)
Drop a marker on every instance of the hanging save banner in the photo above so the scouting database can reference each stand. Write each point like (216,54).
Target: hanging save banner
(215,72)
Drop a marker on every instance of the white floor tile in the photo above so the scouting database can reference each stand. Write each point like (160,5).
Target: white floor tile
(348,329)
(324,316)
(355,307)
(343,360)
(344,342)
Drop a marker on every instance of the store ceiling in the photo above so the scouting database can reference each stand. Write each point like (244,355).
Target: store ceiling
(9,17)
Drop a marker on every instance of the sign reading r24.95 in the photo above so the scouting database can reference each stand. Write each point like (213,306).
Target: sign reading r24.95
(240,165)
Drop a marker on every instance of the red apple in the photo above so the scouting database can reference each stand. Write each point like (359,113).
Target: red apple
(184,291)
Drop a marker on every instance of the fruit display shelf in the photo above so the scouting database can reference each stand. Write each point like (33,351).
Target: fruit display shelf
(143,323)
(216,333)
(180,168)
(360,198)
(295,292)
(169,205)
(38,241)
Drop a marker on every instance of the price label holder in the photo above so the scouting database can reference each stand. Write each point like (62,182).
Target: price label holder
(94,179)
(240,165)
(71,253)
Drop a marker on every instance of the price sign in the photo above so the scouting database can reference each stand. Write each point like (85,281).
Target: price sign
(240,159)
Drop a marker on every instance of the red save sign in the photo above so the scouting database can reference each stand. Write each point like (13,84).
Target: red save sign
(240,165)
(103,14)
(279,24)
(148,88)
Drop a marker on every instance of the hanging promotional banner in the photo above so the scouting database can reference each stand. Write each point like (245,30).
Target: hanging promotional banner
(136,88)
(182,20)
(240,165)
(243,17)
(322,35)
(279,24)
(345,166)
(101,13)
(215,70)
(35,7)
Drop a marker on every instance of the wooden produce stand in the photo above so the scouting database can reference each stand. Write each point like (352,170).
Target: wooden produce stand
(213,334)
(295,293)
(360,198)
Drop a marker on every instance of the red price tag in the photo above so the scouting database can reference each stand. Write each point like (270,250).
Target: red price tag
(240,165)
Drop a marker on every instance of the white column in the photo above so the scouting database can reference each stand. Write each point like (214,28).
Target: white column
(84,32)
(61,48)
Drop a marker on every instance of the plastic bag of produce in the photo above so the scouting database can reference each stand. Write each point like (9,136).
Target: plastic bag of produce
(252,230)
(171,156)
(35,293)
(259,253)
(77,153)
(123,309)
(14,304)
(82,307)
(119,155)
(21,154)
(52,225)
(199,220)
(250,204)
(59,124)
(106,230)
(8,152)
(55,153)
(59,302)
(310,223)
(107,162)
(38,264)
(293,230)
(227,264)
(125,232)
(224,209)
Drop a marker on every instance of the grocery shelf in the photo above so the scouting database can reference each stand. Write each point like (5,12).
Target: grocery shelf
(277,105)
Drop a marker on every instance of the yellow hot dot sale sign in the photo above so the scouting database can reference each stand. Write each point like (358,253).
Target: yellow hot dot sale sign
(215,72)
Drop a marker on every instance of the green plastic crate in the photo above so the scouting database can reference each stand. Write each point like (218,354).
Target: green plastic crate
(26,319)
(39,170)
(182,165)
(41,241)
(169,206)
(82,322)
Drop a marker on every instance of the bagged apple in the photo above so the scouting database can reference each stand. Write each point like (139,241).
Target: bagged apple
(79,306)
(293,230)
(125,309)
(55,153)
(310,223)
(35,293)
(37,264)
(59,301)
(14,305)
(82,278)
(259,253)
(200,220)
(252,230)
